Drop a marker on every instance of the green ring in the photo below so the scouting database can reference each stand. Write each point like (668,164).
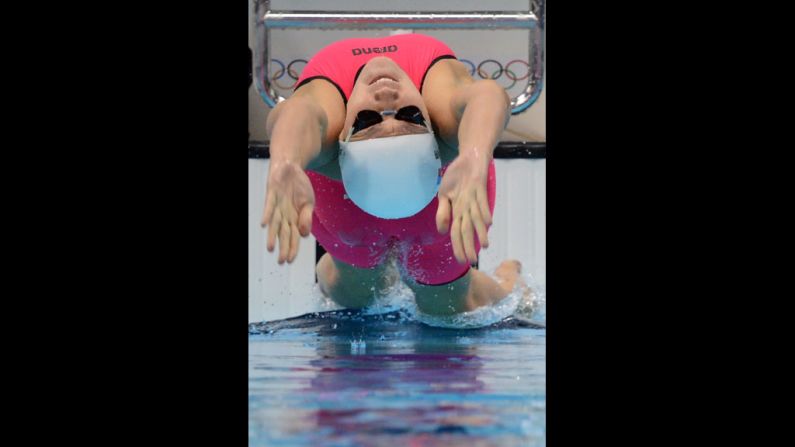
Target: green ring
(506,71)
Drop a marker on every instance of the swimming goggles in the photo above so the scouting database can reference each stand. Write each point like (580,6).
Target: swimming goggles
(368,118)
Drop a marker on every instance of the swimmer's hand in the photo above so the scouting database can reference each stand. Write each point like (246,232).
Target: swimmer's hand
(463,189)
(288,208)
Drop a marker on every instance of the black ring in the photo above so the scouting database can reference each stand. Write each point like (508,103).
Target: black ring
(290,71)
(480,73)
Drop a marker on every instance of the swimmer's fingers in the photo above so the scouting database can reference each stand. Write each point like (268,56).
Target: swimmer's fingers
(480,226)
(270,205)
(483,205)
(294,236)
(468,236)
(289,222)
(273,227)
(284,241)
(305,220)
(455,238)
(443,215)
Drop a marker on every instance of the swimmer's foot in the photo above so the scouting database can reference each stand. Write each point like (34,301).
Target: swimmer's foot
(508,274)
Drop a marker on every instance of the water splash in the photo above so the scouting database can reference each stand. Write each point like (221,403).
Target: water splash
(523,302)
(527,302)
(358,346)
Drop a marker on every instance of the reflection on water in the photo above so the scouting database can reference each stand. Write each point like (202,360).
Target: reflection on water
(406,384)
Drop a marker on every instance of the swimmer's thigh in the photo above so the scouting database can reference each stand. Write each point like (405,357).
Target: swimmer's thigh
(444,299)
(440,283)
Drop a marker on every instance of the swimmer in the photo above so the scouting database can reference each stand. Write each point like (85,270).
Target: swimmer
(384,152)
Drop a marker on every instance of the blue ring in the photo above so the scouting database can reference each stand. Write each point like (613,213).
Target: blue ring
(471,72)
(281,75)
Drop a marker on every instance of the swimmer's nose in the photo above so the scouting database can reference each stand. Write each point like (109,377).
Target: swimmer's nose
(386,95)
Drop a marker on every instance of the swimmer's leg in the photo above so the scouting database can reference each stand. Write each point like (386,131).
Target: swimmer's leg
(349,286)
(473,290)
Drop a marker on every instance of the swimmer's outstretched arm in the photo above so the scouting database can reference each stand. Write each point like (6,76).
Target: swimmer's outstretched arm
(471,115)
(483,111)
(300,136)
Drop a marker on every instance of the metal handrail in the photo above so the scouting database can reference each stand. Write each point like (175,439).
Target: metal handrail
(267,19)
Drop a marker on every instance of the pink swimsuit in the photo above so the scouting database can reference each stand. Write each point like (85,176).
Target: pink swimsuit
(342,228)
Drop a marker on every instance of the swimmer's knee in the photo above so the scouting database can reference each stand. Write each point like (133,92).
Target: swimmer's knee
(444,299)
(326,274)
(346,285)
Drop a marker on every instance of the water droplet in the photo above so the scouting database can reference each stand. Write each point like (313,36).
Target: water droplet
(358,346)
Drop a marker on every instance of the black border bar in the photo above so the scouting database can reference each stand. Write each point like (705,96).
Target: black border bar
(505,149)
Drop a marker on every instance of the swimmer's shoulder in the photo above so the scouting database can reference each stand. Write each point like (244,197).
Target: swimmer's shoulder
(325,94)
(442,82)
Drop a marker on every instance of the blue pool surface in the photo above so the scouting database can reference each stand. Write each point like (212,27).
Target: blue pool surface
(346,378)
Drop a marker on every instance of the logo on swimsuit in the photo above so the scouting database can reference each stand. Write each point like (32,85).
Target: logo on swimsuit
(389,49)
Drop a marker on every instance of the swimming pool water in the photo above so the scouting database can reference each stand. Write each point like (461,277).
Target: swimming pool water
(345,378)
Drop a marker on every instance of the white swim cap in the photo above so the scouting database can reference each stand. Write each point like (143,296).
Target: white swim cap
(391,177)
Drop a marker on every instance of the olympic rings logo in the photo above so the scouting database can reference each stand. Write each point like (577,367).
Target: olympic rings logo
(483,69)
(289,70)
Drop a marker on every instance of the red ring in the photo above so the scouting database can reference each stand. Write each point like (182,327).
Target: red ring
(518,60)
